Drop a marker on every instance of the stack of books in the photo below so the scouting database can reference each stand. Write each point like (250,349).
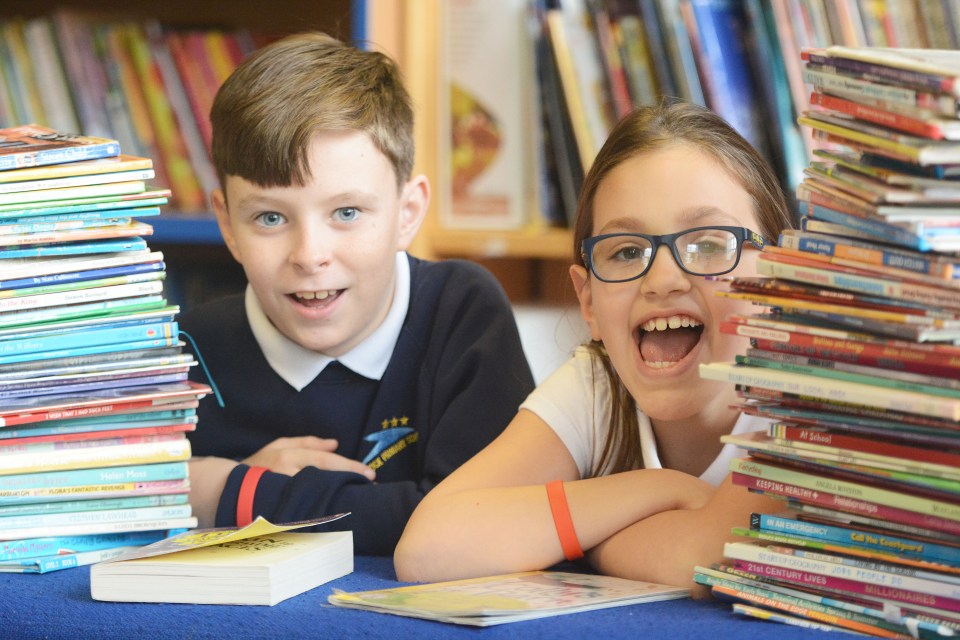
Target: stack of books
(94,398)
(857,363)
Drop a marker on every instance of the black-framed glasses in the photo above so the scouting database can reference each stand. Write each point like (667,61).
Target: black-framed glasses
(701,251)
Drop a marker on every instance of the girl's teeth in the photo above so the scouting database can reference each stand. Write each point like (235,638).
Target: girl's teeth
(673,322)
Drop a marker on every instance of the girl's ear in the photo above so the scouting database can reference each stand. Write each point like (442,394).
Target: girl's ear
(219,201)
(582,286)
(414,202)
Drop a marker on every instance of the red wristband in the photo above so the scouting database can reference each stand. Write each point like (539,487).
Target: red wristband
(248,489)
(562,520)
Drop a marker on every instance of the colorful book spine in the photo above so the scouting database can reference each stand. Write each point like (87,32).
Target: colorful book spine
(59,562)
(778,479)
(58,458)
(42,509)
(919,549)
(40,547)
(869,573)
(82,276)
(96,491)
(913,126)
(107,527)
(76,181)
(89,338)
(82,477)
(30,146)
(836,390)
(80,351)
(831,438)
(82,296)
(74,248)
(781,266)
(21,526)
(866,253)
(847,86)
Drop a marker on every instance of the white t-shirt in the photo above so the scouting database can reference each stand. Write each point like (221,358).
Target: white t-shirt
(575,402)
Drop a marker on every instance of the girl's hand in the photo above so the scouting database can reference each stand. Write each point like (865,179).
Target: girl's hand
(290,455)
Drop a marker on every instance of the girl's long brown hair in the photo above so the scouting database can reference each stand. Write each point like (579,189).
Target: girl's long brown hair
(647,129)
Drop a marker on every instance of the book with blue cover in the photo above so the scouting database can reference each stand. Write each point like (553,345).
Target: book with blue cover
(35,145)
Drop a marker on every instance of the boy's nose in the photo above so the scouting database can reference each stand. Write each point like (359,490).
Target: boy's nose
(310,253)
(665,275)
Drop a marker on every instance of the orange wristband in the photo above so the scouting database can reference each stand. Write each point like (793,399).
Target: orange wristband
(248,489)
(564,523)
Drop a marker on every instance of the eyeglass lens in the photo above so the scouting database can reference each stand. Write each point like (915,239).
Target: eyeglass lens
(700,252)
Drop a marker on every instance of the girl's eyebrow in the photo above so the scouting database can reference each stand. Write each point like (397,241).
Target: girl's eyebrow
(693,217)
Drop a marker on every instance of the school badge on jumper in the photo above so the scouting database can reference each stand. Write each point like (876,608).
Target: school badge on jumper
(393,438)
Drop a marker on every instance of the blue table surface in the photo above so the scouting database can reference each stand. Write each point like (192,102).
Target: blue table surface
(58,605)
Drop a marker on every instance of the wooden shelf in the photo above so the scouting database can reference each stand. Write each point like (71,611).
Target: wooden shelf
(533,242)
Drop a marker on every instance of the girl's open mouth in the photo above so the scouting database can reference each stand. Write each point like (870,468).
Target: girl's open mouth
(666,341)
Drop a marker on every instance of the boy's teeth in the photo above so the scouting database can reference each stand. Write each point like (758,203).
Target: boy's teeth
(314,295)
(673,322)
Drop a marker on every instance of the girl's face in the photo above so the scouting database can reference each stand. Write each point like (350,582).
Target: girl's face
(656,193)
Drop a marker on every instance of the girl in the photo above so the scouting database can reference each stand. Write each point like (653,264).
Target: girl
(625,436)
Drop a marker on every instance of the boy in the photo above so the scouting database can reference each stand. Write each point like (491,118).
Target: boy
(354,376)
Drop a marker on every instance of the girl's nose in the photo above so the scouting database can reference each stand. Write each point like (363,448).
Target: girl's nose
(664,276)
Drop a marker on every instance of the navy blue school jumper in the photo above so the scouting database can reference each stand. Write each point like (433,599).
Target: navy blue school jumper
(456,378)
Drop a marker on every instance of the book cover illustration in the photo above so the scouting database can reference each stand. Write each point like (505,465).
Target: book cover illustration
(33,145)
(508,598)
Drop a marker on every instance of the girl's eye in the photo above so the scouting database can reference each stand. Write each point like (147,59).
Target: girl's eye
(346,214)
(269,218)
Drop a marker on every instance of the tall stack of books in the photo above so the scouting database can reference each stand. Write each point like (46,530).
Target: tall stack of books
(857,362)
(94,398)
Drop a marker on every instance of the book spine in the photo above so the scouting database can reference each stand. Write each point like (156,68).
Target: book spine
(73,181)
(857,223)
(907,291)
(76,264)
(878,116)
(837,374)
(847,86)
(109,456)
(79,351)
(81,276)
(870,255)
(43,509)
(808,609)
(864,353)
(884,542)
(82,295)
(40,547)
(153,331)
(872,591)
(899,76)
(774,476)
(81,518)
(81,477)
(57,156)
(830,565)
(97,491)
(71,560)
(878,447)
(73,248)
(109,527)
(834,390)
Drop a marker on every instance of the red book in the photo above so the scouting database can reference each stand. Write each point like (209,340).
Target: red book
(829,438)
(897,121)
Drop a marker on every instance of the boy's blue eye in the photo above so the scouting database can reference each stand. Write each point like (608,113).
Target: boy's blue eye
(346,214)
(270,218)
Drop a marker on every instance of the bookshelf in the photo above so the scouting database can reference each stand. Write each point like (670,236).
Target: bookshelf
(411,31)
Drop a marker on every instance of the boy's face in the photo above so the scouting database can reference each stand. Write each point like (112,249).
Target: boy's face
(321,257)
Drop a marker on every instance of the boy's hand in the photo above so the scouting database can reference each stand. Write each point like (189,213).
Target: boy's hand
(290,455)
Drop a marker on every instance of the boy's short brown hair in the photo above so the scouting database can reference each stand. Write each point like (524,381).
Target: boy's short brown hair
(267,111)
